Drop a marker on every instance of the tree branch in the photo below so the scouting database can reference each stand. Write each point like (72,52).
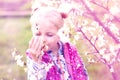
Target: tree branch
(101,24)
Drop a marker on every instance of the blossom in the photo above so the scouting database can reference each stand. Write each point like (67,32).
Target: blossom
(18,58)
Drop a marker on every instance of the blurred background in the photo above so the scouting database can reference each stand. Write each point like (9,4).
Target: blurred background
(15,35)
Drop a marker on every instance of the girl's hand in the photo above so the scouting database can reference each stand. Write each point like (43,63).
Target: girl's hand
(35,48)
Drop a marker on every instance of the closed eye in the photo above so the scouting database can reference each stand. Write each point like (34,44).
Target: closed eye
(49,34)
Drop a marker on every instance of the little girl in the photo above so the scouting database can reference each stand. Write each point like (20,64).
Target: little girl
(48,58)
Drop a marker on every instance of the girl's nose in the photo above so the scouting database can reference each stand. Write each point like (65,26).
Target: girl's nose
(43,38)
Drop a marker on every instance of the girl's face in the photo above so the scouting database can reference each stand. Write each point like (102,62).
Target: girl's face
(47,33)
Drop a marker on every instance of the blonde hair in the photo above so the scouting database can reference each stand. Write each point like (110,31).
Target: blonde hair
(50,14)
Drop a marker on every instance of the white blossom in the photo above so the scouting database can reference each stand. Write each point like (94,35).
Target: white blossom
(114,10)
(111,70)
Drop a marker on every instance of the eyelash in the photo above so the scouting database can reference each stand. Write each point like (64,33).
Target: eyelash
(39,34)
(48,34)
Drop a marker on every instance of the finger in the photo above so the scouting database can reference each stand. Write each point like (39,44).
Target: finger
(31,42)
(38,44)
(32,52)
(33,55)
(34,43)
(39,49)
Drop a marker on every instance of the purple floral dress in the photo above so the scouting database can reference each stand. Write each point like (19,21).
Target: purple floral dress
(49,69)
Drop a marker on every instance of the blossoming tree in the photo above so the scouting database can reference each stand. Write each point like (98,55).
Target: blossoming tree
(97,26)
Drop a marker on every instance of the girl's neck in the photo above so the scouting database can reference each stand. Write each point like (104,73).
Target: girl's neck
(55,51)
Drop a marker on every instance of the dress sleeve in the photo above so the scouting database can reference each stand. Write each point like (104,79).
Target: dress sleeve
(35,70)
(38,71)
